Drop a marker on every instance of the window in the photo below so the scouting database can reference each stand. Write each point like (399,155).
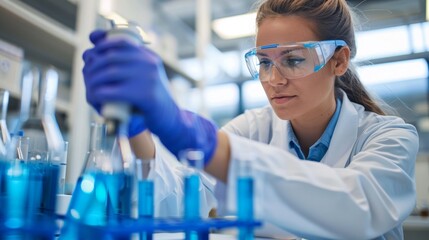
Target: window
(394,71)
(382,43)
(253,94)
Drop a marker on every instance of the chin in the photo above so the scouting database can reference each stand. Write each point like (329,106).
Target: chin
(283,114)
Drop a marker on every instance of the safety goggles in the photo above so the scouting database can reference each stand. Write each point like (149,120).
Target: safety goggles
(292,60)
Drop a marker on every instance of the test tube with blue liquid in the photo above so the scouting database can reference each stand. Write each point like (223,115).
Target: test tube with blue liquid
(195,159)
(245,198)
(145,194)
(15,200)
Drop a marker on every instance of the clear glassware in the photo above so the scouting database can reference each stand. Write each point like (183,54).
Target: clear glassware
(245,191)
(146,193)
(96,146)
(30,187)
(4,131)
(38,125)
(103,192)
(38,122)
(192,200)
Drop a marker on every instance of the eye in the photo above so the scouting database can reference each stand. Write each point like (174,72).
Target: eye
(292,61)
(265,63)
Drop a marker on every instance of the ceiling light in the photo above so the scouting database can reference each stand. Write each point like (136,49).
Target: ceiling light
(236,26)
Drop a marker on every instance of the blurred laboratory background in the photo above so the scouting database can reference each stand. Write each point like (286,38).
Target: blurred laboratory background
(202,43)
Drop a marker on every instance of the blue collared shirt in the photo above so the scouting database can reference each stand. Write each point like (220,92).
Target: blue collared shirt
(319,148)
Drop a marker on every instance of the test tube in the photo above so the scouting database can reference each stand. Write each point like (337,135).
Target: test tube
(63,169)
(193,158)
(146,193)
(16,195)
(245,198)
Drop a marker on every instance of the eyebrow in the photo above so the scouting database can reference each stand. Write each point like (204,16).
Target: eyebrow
(281,53)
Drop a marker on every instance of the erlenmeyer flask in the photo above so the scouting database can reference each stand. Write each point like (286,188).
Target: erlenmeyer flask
(102,195)
(89,199)
(96,148)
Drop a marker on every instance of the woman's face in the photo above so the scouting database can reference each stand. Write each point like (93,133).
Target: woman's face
(303,98)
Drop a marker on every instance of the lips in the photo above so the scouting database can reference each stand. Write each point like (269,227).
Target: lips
(281,99)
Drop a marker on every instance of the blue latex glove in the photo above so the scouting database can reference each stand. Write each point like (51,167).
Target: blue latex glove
(136,124)
(118,70)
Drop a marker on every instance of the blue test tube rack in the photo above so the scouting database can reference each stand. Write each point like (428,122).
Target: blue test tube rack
(146,225)
(128,227)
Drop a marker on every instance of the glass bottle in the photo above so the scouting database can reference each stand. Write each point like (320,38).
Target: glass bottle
(4,131)
(38,124)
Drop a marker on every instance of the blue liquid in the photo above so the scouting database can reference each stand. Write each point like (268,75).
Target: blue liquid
(25,188)
(192,197)
(3,165)
(146,204)
(119,188)
(146,195)
(99,199)
(16,194)
(50,188)
(245,205)
(35,192)
(192,203)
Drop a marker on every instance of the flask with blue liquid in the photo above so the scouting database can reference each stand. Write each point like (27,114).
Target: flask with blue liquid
(103,193)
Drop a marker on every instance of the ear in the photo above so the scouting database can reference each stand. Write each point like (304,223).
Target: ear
(341,61)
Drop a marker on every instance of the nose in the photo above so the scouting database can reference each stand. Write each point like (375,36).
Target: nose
(276,77)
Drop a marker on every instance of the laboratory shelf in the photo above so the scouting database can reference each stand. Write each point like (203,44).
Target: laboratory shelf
(37,34)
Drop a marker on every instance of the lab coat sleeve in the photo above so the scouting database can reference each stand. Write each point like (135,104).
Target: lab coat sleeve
(371,196)
(168,175)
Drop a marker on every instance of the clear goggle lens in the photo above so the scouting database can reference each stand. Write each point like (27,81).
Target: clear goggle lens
(291,61)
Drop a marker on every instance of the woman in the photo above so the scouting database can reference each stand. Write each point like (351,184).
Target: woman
(332,164)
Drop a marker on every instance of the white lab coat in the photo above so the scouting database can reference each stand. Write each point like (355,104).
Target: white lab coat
(362,189)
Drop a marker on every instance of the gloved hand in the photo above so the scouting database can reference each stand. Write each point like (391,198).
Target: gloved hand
(136,123)
(118,70)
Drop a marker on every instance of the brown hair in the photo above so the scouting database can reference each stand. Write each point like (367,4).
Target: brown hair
(333,19)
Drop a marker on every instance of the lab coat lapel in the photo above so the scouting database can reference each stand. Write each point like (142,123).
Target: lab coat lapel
(344,136)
